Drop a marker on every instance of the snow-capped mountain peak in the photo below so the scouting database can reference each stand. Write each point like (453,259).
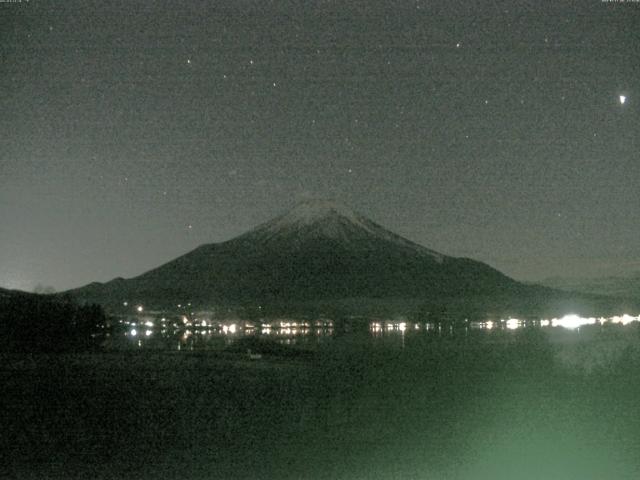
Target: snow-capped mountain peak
(328,219)
(314,211)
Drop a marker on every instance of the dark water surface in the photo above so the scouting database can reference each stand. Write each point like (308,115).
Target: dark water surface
(499,404)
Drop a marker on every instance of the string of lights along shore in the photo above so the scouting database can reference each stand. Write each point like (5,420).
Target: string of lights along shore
(133,132)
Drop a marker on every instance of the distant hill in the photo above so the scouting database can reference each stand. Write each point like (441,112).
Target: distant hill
(616,286)
(318,252)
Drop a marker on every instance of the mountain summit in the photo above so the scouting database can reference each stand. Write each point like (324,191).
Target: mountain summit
(321,219)
(320,250)
(312,211)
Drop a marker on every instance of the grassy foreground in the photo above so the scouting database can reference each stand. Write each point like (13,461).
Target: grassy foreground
(496,406)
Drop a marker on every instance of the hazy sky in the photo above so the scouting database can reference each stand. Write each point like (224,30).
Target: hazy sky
(132,132)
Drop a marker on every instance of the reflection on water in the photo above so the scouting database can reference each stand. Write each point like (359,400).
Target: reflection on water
(184,333)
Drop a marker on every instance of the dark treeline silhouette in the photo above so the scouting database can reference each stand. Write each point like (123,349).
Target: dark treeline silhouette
(47,323)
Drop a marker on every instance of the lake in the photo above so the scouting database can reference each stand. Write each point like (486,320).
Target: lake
(375,403)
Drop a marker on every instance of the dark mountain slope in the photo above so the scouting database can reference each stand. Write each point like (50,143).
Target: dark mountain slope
(317,251)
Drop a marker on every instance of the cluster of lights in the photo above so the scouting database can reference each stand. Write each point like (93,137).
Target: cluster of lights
(378,327)
(134,333)
(570,321)
(233,328)
(285,324)
(292,328)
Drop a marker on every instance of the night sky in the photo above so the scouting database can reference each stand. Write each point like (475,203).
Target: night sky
(132,132)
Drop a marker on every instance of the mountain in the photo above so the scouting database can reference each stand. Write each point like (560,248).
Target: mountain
(320,251)
(627,286)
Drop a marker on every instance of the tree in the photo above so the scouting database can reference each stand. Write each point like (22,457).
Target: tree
(38,323)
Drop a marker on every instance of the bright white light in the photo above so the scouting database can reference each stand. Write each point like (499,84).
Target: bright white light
(513,323)
(572,321)
(544,323)
(125,303)
(148,333)
(134,332)
(139,308)
(232,328)
(623,99)
(624,319)
(402,326)
(489,325)
(204,323)
(148,323)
